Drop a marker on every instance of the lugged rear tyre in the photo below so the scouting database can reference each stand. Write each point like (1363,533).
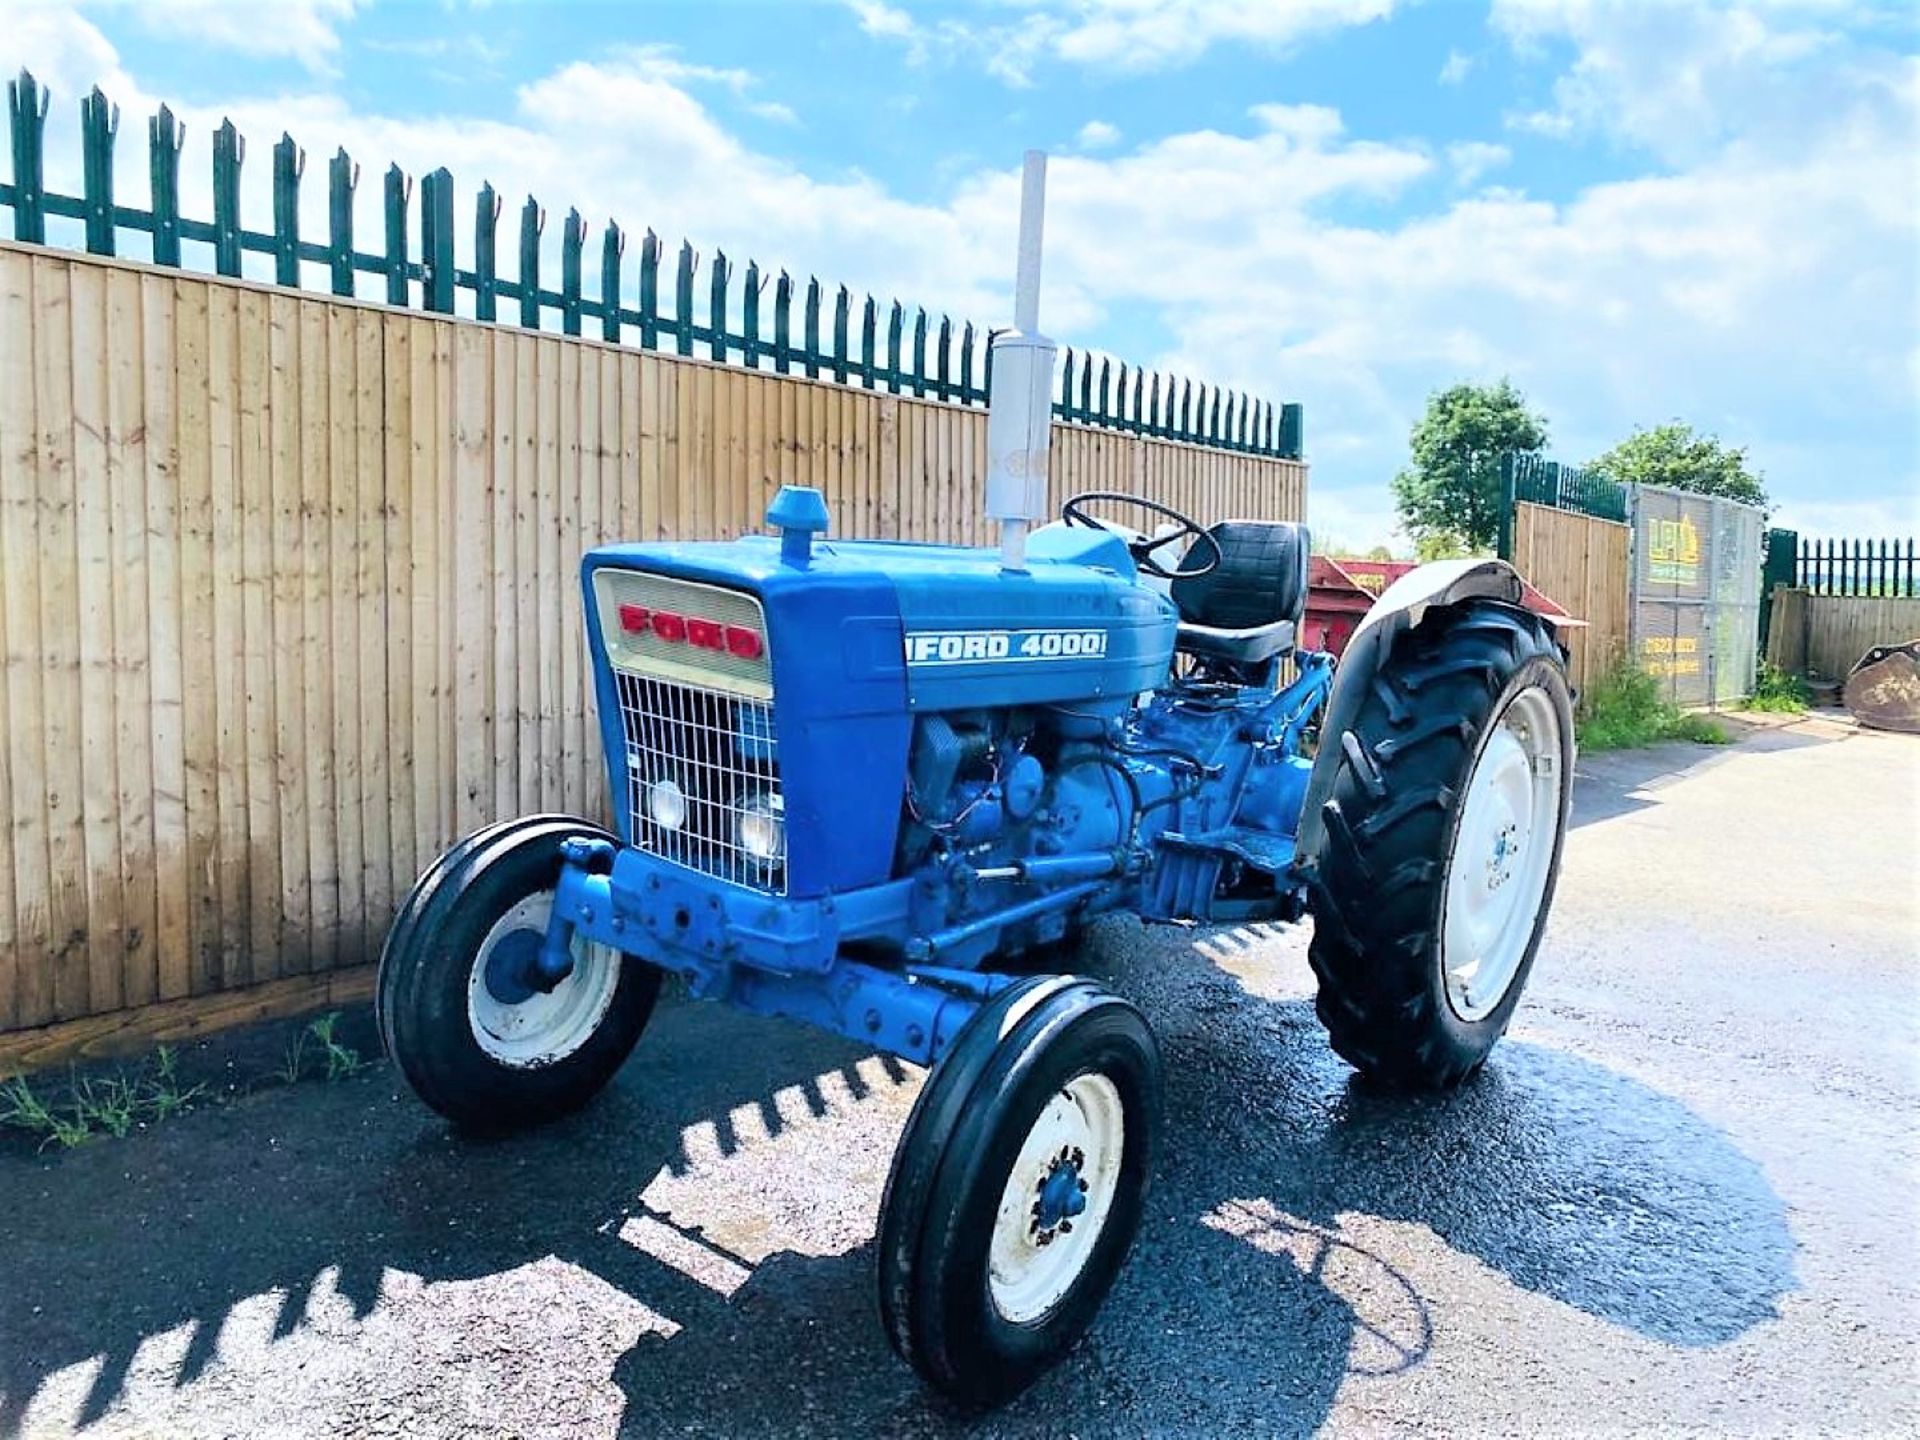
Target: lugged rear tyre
(1474,696)
(486,1063)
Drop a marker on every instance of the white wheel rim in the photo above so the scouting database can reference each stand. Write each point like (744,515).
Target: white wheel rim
(1033,1263)
(542,1029)
(1502,854)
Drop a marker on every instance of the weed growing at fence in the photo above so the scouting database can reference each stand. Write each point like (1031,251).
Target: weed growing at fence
(1778,691)
(1625,711)
(317,1039)
(99,1105)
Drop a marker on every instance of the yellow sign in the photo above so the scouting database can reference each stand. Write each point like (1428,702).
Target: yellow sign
(1670,655)
(1673,551)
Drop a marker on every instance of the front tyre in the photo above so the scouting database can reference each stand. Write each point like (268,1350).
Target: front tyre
(1444,830)
(475,1038)
(1018,1186)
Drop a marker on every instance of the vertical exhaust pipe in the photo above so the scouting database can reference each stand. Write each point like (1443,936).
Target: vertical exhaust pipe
(1020,409)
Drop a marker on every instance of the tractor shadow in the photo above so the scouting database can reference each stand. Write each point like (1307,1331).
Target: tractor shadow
(636,1267)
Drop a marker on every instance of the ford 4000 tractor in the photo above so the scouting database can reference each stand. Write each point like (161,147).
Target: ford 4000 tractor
(878,786)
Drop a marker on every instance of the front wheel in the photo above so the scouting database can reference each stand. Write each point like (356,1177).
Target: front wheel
(475,1037)
(1018,1186)
(1444,831)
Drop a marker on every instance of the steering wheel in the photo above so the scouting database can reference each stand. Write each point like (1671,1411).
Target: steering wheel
(1143,549)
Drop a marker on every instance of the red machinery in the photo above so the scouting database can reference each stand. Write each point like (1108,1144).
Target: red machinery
(1340,592)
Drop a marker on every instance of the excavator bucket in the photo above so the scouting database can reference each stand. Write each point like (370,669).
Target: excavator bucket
(1883,689)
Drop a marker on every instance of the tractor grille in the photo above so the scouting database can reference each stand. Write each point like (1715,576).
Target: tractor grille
(718,748)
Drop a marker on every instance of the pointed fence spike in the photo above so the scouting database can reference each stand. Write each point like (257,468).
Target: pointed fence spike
(810,335)
(1086,389)
(894,317)
(1153,412)
(486,264)
(342,177)
(1120,397)
(750,317)
(533,220)
(289,163)
(967,395)
(27,128)
(436,241)
(229,153)
(573,244)
(1066,383)
(165,136)
(99,126)
(1106,375)
(842,311)
(683,300)
(944,354)
(782,322)
(920,353)
(717,306)
(613,249)
(397,192)
(650,291)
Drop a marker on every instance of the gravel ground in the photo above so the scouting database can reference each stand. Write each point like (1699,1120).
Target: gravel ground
(1682,1197)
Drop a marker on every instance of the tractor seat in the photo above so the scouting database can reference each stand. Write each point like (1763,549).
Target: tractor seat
(1247,610)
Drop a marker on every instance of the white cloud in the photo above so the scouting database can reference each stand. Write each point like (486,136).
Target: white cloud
(1471,159)
(1097,135)
(1112,35)
(1459,65)
(302,30)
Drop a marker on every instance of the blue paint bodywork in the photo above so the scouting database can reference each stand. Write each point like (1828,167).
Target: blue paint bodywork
(1092,780)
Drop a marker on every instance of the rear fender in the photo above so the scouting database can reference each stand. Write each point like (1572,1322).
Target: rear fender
(1402,606)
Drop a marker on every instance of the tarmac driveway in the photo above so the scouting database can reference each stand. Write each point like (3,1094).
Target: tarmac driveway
(1682,1196)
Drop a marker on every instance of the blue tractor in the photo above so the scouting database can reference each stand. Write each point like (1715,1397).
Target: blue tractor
(880,787)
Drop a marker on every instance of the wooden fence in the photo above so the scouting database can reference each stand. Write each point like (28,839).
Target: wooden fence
(289,601)
(1827,634)
(1581,562)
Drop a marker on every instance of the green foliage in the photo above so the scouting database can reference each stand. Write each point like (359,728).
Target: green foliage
(1778,691)
(1452,487)
(1625,711)
(1675,456)
(99,1104)
(1444,545)
(340,1060)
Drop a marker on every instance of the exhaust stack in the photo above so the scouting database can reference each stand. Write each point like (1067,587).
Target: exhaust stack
(1020,409)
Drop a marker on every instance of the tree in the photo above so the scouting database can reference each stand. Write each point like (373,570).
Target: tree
(1675,456)
(1449,497)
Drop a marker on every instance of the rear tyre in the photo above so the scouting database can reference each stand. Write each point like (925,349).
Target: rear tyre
(1444,830)
(473,1038)
(1018,1186)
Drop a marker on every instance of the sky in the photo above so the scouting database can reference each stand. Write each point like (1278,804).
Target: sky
(1637,210)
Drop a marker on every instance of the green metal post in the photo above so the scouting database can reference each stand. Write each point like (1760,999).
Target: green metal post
(1292,440)
(342,176)
(99,126)
(436,242)
(717,305)
(966,362)
(683,300)
(893,348)
(650,292)
(573,242)
(533,220)
(486,252)
(164,140)
(289,163)
(229,152)
(944,355)
(782,322)
(842,312)
(920,353)
(27,121)
(398,191)
(750,317)
(613,250)
(810,329)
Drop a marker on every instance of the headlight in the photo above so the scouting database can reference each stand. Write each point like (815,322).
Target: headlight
(667,804)
(763,828)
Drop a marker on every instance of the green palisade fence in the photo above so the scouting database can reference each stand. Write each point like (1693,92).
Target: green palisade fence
(418,265)
(1538,481)
(1880,568)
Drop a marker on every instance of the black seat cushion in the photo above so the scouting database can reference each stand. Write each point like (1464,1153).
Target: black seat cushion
(1261,578)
